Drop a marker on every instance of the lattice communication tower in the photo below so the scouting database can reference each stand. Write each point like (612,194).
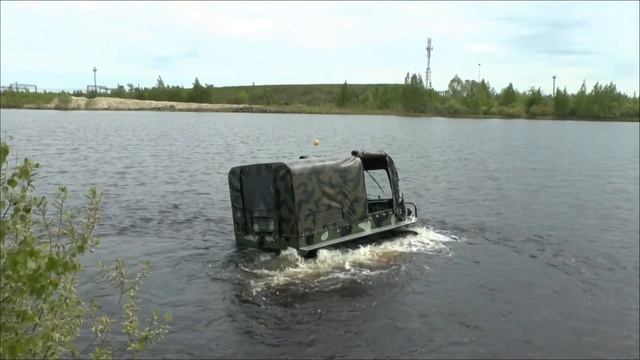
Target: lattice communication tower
(427,78)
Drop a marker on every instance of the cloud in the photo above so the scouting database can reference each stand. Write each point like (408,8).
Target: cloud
(228,43)
(545,35)
(551,43)
(483,48)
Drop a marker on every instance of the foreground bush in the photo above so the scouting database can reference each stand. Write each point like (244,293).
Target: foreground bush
(42,312)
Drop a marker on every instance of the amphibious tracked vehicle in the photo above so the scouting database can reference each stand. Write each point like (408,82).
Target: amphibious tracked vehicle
(313,202)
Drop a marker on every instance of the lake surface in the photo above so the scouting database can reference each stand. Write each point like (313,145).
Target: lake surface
(528,242)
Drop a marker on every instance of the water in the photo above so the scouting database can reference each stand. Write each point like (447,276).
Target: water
(528,242)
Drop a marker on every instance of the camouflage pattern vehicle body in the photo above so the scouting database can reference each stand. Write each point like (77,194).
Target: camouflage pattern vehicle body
(315,202)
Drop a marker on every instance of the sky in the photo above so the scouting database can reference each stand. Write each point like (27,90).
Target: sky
(55,45)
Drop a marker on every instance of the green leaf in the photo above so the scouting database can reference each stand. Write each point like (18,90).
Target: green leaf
(4,152)
(52,263)
(24,172)
(44,313)
(23,218)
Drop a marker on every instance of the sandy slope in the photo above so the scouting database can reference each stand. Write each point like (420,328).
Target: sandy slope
(105,103)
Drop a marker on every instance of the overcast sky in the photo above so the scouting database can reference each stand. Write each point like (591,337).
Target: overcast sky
(56,45)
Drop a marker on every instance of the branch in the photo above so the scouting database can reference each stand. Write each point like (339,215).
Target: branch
(46,352)
(8,207)
(8,296)
(46,227)
(60,211)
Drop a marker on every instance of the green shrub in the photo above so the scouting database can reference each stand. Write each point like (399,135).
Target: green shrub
(17,100)
(540,110)
(42,312)
(454,108)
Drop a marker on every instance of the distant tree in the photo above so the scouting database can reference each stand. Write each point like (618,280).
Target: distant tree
(604,101)
(479,97)
(417,80)
(197,85)
(508,95)
(534,97)
(119,92)
(432,99)
(343,96)
(580,102)
(160,83)
(158,92)
(140,94)
(561,104)
(413,97)
(176,93)
(456,87)
(630,108)
(198,92)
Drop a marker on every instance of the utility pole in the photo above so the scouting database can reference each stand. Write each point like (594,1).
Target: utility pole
(554,84)
(95,86)
(479,71)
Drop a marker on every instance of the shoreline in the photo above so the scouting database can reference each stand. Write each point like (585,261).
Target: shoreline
(73,103)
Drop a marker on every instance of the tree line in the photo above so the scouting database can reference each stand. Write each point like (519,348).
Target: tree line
(462,98)
(473,98)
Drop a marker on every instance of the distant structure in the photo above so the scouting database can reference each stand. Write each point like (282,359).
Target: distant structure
(479,64)
(554,85)
(98,89)
(19,87)
(95,87)
(94,78)
(427,78)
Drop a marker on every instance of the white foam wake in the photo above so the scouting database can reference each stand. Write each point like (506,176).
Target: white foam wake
(290,268)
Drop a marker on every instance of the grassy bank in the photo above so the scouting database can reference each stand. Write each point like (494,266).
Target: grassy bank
(463,99)
(17,100)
